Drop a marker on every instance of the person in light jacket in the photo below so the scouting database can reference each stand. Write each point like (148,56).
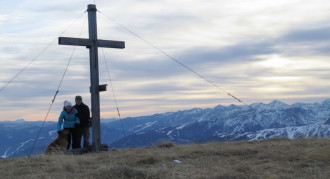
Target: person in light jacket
(68,120)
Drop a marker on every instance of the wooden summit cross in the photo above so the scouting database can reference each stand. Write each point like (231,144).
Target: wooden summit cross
(93,43)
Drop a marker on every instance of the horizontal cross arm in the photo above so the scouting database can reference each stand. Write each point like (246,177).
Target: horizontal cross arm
(74,41)
(88,42)
(110,44)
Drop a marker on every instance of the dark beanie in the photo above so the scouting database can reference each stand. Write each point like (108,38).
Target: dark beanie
(78,98)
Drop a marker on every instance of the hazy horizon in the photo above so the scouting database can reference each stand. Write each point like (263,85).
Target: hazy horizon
(114,119)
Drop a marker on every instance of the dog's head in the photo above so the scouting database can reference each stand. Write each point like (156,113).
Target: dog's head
(64,133)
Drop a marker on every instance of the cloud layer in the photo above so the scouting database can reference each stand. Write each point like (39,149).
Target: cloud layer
(257,50)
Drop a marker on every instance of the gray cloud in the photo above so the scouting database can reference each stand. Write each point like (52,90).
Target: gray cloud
(319,34)
(242,52)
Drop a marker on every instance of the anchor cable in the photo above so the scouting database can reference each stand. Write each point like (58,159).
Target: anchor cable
(39,54)
(57,91)
(114,95)
(174,59)
(113,92)
(180,63)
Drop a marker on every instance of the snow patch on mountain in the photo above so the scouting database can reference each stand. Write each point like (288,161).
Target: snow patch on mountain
(17,149)
(313,130)
(181,127)
(5,154)
(23,143)
(149,124)
(52,132)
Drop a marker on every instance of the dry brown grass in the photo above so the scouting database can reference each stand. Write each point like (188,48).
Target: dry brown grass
(277,158)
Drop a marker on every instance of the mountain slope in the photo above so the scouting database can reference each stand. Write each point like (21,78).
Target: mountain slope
(232,123)
(221,123)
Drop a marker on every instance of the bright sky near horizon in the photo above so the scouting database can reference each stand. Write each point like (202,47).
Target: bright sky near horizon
(257,50)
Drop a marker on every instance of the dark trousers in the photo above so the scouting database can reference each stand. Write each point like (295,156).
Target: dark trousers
(83,132)
(73,138)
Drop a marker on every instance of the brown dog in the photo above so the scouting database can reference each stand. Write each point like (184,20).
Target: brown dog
(59,144)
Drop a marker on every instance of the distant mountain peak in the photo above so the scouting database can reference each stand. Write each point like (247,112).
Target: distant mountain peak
(20,120)
(277,104)
(327,101)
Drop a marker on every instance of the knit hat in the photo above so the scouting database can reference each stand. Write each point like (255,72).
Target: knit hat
(78,98)
(67,103)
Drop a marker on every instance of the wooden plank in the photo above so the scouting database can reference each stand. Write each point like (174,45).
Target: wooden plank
(111,44)
(88,42)
(74,41)
(94,66)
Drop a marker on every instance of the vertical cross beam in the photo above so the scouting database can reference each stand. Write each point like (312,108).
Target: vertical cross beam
(94,73)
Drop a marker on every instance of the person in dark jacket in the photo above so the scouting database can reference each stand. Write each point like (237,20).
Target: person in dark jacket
(84,116)
(68,120)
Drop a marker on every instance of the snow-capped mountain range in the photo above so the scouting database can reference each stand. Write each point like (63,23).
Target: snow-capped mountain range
(222,123)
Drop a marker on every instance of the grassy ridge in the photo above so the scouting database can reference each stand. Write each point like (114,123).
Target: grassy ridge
(277,158)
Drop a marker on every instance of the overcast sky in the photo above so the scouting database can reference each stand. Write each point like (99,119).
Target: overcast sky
(257,50)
